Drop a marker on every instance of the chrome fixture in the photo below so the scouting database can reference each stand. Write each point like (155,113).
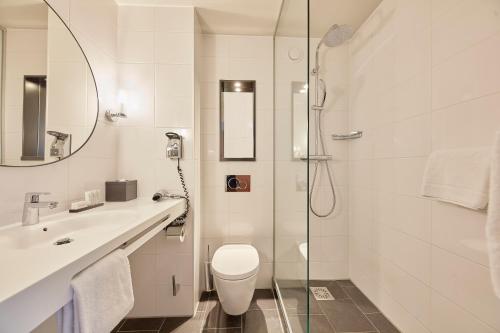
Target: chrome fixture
(318,158)
(32,204)
(57,146)
(114,116)
(335,36)
(350,136)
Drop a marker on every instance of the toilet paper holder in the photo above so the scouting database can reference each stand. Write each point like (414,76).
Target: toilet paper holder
(176,230)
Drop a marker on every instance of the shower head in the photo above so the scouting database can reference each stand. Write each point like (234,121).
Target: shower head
(337,35)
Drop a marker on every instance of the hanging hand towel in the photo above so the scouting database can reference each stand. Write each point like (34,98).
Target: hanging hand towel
(459,176)
(102,296)
(493,222)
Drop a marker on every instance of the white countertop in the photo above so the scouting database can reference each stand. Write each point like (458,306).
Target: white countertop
(36,273)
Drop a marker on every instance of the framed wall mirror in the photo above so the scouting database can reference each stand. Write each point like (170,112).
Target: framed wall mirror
(237,120)
(48,96)
(299,120)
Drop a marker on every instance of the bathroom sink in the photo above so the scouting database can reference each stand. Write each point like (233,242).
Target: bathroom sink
(72,227)
(39,273)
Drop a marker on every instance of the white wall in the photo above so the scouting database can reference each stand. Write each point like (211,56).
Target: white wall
(71,108)
(238,217)
(328,237)
(329,240)
(156,52)
(25,54)
(424,75)
(94,24)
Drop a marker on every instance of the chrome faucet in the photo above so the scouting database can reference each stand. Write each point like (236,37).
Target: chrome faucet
(32,204)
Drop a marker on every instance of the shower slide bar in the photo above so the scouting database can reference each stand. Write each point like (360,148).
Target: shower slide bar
(350,136)
(317,158)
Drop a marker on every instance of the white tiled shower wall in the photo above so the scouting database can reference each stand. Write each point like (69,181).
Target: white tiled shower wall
(157,81)
(328,244)
(238,217)
(424,75)
(95,27)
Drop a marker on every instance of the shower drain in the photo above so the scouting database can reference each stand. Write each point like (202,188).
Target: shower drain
(321,294)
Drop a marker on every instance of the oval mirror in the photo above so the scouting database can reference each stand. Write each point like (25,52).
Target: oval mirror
(48,95)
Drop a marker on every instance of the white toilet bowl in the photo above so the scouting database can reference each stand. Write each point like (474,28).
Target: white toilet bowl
(235,269)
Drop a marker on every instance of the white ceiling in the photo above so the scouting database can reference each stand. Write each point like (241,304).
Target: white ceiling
(252,17)
(23,14)
(259,17)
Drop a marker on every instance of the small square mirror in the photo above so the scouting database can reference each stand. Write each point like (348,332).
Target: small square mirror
(237,120)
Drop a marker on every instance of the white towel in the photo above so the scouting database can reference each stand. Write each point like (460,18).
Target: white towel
(102,296)
(493,222)
(459,176)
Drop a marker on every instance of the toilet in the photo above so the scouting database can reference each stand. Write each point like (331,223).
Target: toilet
(235,268)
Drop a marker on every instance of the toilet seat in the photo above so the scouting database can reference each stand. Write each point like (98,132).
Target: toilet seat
(235,262)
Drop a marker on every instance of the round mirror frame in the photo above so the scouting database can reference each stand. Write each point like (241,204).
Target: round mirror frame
(97,98)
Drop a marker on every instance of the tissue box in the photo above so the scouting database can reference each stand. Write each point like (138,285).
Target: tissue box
(121,190)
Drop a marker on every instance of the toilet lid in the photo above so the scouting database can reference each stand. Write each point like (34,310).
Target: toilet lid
(235,262)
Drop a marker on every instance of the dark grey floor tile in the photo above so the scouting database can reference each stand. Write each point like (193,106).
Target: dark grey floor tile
(295,301)
(202,305)
(361,300)
(183,324)
(215,317)
(335,289)
(345,316)
(263,299)
(222,330)
(262,321)
(142,324)
(382,323)
(345,283)
(318,324)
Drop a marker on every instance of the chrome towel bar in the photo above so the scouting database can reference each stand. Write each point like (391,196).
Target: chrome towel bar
(136,237)
(350,136)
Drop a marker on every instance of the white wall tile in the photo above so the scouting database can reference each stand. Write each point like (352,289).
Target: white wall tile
(467,284)
(477,75)
(135,46)
(174,19)
(136,18)
(422,73)
(174,48)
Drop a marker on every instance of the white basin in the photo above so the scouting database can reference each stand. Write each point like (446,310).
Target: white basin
(36,274)
(75,227)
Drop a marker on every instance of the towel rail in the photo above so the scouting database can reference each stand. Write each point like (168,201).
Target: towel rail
(350,136)
(138,236)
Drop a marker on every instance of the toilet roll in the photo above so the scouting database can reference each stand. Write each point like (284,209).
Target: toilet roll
(176,232)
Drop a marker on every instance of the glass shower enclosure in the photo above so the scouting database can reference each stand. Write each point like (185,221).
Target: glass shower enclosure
(291,163)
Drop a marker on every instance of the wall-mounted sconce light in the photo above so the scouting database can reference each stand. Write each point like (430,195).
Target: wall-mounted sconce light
(114,116)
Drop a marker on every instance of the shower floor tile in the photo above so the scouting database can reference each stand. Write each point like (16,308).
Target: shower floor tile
(350,312)
(262,317)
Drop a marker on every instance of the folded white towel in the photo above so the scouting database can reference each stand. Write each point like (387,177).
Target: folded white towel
(493,222)
(102,296)
(459,176)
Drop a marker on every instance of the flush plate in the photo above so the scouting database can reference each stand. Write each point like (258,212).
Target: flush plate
(238,183)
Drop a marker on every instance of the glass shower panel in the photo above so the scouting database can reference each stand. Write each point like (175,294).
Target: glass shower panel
(291,142)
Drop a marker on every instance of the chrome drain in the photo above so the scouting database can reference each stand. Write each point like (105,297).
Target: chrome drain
(63,241)
(322,294)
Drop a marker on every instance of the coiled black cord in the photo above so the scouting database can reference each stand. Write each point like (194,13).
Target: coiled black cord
(181,219)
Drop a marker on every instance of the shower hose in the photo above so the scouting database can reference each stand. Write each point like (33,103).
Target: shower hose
(319,138)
